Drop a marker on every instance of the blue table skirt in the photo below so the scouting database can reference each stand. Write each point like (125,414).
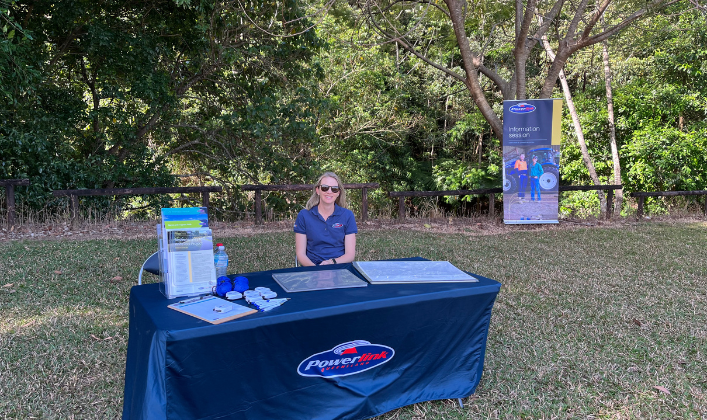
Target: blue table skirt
(179,367)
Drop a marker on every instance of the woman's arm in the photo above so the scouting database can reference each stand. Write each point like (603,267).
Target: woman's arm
(301,249)
(349,251)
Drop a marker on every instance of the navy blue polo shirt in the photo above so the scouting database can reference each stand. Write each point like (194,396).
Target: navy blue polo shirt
(325,239)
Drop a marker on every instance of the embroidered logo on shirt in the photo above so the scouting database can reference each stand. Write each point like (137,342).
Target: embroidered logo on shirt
(337,225)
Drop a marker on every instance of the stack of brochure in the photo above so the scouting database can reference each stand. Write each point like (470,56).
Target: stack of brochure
(186,252)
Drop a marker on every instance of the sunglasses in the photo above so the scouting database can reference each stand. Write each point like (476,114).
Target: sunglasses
(325,188)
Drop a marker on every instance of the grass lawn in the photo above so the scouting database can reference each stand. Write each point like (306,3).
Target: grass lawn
(606,322)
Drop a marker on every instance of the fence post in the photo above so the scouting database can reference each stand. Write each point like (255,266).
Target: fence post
(401,207)
(609,204)
(205,199)
(10,195)
(9,185)
(639,212)
(74,209)
(364,204)
(705,210)
(258,210)
(492,205)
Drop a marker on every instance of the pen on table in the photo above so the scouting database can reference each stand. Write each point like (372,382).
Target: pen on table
(192,300)
(273,305)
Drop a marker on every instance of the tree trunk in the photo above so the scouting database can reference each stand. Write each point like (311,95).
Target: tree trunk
(456,14)
(612,128)
(522,49)
(481,145)
(578,130)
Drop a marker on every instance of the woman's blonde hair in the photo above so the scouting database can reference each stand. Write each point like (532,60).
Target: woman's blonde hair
(314,199)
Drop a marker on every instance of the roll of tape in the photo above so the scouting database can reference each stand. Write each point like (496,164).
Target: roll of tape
(223,308)
(233,295)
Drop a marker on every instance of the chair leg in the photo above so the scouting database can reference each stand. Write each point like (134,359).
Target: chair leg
(461,404)
(142,268)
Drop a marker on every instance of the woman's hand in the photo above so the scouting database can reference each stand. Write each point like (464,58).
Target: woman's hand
(326,262)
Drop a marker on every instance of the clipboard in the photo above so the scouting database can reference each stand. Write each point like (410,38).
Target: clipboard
(202,307)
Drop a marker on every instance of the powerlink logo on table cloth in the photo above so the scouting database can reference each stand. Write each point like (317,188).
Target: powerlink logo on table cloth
(522,108)
(346,359)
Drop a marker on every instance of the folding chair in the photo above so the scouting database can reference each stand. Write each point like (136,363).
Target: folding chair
(151,265)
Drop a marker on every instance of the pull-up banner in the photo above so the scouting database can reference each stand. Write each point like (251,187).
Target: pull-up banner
(531,160)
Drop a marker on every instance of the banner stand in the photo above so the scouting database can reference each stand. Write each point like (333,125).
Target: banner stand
(531,160)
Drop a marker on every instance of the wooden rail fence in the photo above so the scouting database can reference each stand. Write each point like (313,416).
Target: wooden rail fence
(10,185)
(642,198)
(401,195)
(492,199)
(75,194)
(305,187)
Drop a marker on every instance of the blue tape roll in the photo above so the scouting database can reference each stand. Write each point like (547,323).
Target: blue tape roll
(223,286)
(240,284)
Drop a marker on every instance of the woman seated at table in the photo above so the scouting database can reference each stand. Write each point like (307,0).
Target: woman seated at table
(325,231)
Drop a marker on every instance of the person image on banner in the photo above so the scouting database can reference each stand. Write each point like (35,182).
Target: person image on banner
(522,167)
(536,169)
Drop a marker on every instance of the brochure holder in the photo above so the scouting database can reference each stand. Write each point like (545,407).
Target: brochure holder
(186,254)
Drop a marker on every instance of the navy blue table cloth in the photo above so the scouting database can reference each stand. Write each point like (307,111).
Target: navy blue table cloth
(330,354)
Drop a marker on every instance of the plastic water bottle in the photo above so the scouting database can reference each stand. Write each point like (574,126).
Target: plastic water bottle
(220,261)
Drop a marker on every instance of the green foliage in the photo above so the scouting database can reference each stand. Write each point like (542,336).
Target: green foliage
(475,161)
(580,204)
(455,175)
(660,101)
(100,94)
(663,110)
(663,158)
(594,120)
(113,94)
(393,121)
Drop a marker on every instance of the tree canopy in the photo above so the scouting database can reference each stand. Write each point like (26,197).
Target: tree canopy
(100,94)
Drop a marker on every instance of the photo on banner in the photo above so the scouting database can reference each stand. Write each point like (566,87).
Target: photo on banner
(531,160)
